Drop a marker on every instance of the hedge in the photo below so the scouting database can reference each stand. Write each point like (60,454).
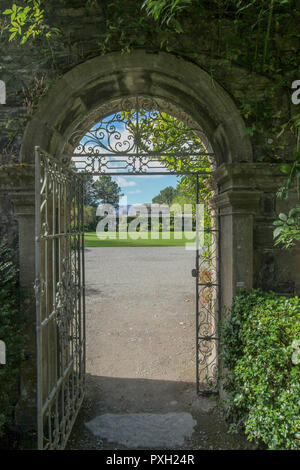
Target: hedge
(260,339)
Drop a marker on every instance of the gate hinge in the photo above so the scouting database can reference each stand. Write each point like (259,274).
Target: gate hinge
(195,273)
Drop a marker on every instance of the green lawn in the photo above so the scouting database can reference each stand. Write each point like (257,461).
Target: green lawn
(122,239)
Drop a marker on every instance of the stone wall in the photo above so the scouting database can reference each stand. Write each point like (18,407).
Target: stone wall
(273,268)
(30,70)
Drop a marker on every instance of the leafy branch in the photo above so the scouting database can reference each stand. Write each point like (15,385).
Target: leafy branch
(27,22)
(287,229)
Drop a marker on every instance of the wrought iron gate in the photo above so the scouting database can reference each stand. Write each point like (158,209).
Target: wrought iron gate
(104,150)
(207,286)
(60,306)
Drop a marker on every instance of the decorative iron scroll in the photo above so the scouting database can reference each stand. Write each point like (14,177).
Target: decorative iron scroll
(141,138)
(208,306)
(60,299)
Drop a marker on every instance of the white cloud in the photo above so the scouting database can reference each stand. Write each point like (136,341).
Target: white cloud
(135,191)
(124,182)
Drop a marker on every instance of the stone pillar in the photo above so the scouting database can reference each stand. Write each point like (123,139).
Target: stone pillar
(17,184)
(275,268)
(24,204)
(236,211)
(237,203)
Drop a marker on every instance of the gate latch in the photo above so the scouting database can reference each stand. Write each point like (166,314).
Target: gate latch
(194,273)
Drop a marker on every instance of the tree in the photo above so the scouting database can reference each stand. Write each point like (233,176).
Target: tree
(90,218)
(182,198)
(103,190)
(165,196)
(166,135)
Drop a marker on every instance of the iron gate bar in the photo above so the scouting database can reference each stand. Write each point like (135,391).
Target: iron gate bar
(207,284)
(208,338)
(37,293)
(147,173)
(197,291)
(138,156)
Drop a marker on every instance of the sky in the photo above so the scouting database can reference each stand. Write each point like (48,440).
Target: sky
(142,188)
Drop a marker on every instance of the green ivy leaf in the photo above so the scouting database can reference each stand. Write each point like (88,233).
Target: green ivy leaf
(285,168)
(282,217)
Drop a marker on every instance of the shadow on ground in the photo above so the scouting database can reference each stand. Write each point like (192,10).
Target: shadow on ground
(111,395)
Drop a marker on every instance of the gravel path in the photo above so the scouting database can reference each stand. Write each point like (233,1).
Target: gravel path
(140,308)
(140,313)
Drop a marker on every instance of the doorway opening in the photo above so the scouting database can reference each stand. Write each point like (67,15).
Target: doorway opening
(136,136)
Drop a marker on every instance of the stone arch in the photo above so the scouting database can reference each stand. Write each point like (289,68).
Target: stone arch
(87,92)
(95,83)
